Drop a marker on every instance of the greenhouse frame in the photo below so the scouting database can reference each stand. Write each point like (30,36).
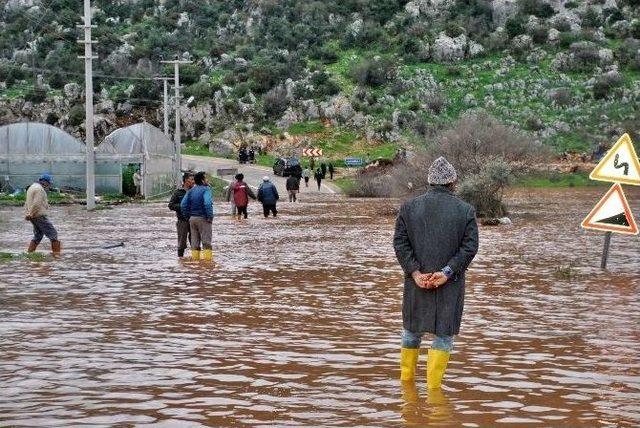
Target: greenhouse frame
(28,149)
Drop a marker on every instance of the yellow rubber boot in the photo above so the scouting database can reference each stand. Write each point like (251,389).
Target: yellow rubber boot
(408,362)
(207,255)
(195,255)
(437,361)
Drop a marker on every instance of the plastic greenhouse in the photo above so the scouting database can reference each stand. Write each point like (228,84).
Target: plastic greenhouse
(28,149)
(146,145)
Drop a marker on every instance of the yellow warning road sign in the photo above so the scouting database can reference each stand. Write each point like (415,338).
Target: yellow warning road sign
(620,164)
(612,214)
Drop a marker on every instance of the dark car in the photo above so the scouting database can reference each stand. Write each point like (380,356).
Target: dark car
(287,166)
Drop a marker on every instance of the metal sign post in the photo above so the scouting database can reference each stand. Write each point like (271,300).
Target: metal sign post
(605,250)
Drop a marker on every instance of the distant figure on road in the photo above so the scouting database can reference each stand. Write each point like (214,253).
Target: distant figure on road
(252,155)
(293,187)
(182,225)
(306,174)
(323,167)
(318,176)
(241,194)
(331,170)
(228,196)
(268,195)
(197,206)
(36,209)
(137,182)
(435,240)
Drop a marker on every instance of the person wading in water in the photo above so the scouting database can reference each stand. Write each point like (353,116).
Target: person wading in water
(182,225)
(36,209)
(435,240)
(197,206)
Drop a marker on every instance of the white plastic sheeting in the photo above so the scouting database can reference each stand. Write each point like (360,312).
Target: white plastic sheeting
(28,149)
(146,145)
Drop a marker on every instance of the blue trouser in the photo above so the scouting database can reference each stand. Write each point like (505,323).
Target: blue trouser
(413,340)
(42,226)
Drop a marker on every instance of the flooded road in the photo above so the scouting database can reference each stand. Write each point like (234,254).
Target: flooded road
(299,322)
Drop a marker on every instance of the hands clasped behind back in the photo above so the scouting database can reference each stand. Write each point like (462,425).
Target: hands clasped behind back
(429,280)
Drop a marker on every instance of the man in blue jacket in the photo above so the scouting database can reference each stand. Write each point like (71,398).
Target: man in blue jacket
(268,195)
(197,206)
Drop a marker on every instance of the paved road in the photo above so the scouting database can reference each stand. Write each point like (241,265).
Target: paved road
(253,174)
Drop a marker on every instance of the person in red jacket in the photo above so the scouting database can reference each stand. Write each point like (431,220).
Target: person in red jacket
(241,194)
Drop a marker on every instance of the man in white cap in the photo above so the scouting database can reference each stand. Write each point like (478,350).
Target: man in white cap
(435,240)
(268,195)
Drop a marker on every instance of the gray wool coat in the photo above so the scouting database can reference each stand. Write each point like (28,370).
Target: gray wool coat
(432,231)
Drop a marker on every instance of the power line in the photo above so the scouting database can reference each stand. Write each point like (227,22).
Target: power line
(72,73)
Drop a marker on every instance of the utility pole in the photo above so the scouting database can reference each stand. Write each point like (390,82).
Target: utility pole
(88,89)
(176,134)
(165,104)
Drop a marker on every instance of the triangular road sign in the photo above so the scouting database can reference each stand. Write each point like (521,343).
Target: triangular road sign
(620,164)
(612,214)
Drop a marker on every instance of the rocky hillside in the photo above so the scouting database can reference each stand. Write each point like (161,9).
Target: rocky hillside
(342,74)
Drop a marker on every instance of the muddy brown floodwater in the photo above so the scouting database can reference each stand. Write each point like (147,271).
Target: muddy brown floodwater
(299,323)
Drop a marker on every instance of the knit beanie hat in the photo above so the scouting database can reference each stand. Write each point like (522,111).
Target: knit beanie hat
(442,172)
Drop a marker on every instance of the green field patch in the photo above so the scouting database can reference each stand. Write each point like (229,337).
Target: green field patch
(305,128)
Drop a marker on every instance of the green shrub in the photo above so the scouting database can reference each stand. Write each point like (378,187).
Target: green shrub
(515,26)
(539,35)
(52,118)
(201,91)
(605,86)
(484,190)
(634,29)
(36,95)
(539,8)
(567,39)
(325,54)
(452,29)
(591,18)
(57,80)
(454,71)
(585,56)
(76,115)
(562,25)
(275,102)
(373,72)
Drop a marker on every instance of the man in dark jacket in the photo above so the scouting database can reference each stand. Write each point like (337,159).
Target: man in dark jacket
(182,225)
(293,187)
(435,240)
(268,195)
(318,176)
(241,194)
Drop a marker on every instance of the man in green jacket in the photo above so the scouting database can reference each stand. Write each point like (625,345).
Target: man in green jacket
(435,240)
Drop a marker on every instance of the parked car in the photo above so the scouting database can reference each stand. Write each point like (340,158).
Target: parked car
(287,166)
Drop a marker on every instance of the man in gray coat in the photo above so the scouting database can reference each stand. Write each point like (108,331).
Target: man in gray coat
(435,240)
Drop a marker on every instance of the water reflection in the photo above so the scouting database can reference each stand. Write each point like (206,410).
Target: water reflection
(299,322)
(435,410)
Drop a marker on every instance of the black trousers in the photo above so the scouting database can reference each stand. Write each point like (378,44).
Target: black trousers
(269,207)
(242,211)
